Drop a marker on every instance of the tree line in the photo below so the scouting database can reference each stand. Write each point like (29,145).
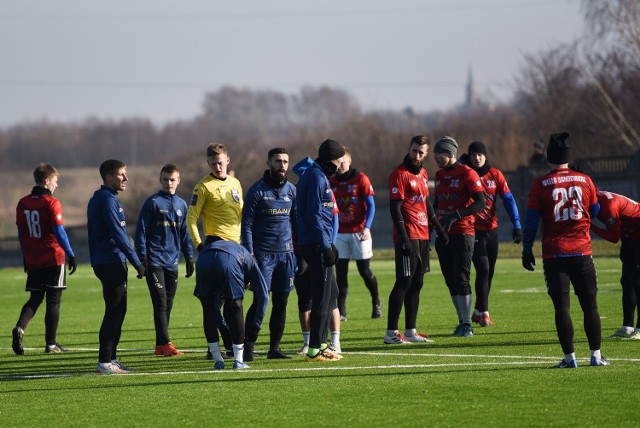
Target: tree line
(590,88)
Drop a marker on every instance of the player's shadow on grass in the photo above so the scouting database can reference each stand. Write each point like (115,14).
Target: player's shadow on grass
(216,377)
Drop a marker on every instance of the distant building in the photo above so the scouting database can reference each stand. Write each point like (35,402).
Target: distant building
(474,102)
(471,100)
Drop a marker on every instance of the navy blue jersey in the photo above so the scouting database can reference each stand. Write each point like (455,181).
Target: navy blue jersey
(161,232)
(315,205)
(222,270)
(268,216)
(106,226)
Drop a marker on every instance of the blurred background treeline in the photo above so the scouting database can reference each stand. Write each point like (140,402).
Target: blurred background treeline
(590,88)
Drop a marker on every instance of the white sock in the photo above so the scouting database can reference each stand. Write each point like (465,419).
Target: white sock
(596,354)
(335,338)
(392,333)
(569,357)
(214,348)
(478,313)
(410,332)
(627,329)
(104,365)
(305,337)
(238,352)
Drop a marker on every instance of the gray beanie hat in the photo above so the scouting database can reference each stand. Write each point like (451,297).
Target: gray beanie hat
(446,145)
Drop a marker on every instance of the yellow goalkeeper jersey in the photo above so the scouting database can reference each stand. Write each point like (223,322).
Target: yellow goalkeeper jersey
(220,204)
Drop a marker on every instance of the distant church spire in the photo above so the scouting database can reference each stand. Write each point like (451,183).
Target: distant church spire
(471,101)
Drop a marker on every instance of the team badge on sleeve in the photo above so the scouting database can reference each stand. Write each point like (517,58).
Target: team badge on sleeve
(194,199)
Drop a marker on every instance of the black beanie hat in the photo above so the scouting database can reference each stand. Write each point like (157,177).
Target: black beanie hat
(330,150)
(477,147)
(559,150)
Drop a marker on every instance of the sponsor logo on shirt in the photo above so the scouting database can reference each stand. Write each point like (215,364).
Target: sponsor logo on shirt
(275,211)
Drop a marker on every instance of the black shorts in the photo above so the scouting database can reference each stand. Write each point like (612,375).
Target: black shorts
(416,264)
(49,277)
(560,273)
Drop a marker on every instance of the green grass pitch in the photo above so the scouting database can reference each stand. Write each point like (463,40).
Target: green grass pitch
(500,377)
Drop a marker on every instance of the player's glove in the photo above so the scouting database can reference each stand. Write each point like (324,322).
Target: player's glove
(189,267)
(141,271)
(302,266)
(517,236)
(407,248)
(329,256)
(200,247)
(448,219)
(444,236)
(528,261)
(72,265)
(145,263)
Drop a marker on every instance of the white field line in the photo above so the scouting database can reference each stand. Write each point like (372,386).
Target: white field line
(533,360)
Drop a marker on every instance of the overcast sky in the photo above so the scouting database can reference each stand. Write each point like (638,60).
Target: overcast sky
(70,59)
